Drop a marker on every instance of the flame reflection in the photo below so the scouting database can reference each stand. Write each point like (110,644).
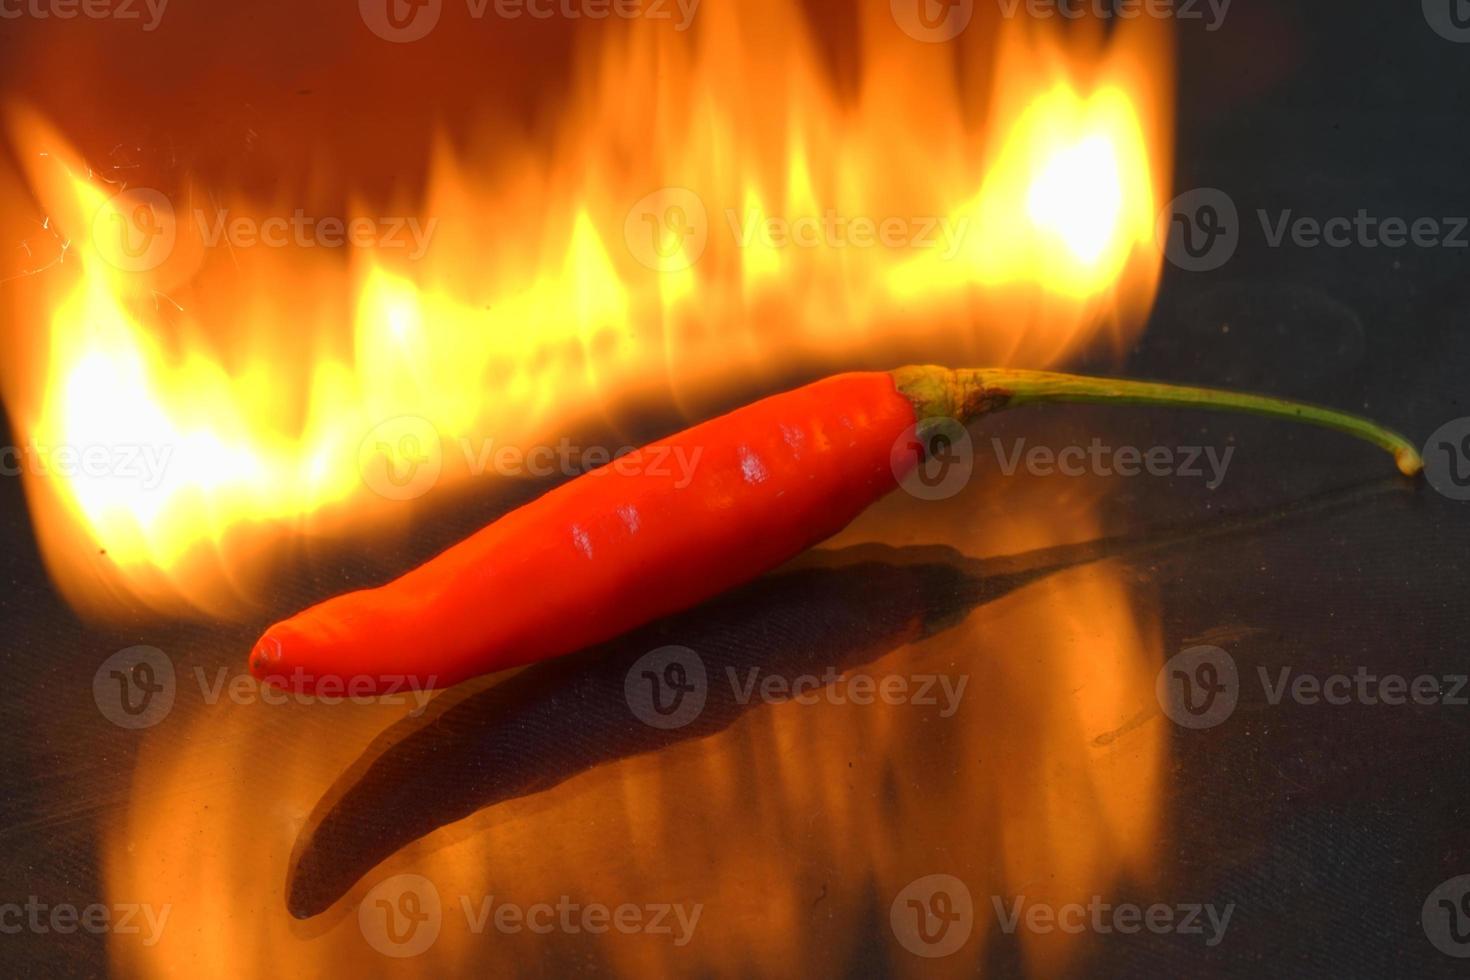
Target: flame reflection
(793,829)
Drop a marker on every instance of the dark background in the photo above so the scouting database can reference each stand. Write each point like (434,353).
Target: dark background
(1327,826)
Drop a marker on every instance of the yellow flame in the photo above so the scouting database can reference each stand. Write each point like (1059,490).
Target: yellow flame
(712,207)
(634,257)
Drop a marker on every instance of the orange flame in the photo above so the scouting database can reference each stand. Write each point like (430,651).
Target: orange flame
(794,830)
(714,212)
(714,215)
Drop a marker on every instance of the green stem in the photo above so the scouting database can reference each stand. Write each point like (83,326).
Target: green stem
(968,393)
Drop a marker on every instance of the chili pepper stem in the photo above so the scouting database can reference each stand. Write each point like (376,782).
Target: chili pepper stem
(967,393)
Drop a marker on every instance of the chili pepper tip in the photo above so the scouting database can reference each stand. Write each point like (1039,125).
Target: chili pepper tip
(1409,461)
(264,657)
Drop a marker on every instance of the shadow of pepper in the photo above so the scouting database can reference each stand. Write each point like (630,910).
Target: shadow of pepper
(475,747)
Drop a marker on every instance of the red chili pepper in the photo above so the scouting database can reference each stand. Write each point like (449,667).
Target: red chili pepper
(631,542)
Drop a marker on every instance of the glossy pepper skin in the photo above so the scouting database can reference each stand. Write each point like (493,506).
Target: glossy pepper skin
(616,547)
(634,541)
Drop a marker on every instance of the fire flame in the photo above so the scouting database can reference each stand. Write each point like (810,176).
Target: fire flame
(688,233)
(714,209)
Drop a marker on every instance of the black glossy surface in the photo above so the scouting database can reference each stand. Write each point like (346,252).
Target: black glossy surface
(796,826)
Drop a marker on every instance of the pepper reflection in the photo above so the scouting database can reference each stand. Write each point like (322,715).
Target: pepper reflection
(796,829)
(682,678)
